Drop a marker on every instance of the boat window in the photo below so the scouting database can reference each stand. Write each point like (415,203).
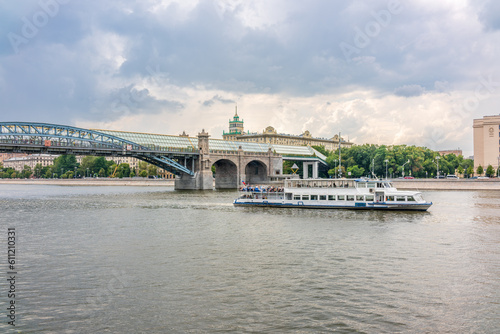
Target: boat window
(369,198)
(305,197)
(400,198)
(410,199)
(350,197)
(331,197)
(418,198)
(390,198)
(361,185)
(296,197)
(360,198)
(314,197)
(288,196)
(322,197)
(371,185)
(341,197)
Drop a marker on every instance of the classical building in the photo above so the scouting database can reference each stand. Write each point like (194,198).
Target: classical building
(270,136)
(487,141)
(6,156)
(457,152)
(31,160)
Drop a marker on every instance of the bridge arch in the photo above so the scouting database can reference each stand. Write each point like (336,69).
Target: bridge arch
(256,171)
(226,174)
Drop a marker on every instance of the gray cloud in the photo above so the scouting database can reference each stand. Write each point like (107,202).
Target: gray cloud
(90,58)
(409,90)
(217,98)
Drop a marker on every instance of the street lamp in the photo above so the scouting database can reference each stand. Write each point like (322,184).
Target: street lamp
(386,162)
(498,166)
(437,166)
(404,167)
(335,161)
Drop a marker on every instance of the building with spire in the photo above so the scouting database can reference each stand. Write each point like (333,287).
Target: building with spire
(271,136)
(235,127)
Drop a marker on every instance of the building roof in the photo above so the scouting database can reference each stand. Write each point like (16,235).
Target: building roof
(147,139)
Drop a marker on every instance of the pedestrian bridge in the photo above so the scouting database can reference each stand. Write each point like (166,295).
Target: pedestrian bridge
(190,158)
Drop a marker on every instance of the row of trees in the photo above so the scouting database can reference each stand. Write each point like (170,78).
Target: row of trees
(66,166)
(396,161)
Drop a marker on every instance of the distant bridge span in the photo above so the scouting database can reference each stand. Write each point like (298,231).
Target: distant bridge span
(191,159)
(46,138)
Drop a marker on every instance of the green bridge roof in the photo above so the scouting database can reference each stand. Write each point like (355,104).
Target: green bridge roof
(191,143)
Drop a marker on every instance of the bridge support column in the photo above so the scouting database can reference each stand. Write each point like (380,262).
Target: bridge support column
(203,178)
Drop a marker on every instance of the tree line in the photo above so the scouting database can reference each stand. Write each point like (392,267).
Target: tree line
(66,166)
(394,161)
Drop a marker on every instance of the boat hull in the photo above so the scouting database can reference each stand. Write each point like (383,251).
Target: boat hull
(356,206)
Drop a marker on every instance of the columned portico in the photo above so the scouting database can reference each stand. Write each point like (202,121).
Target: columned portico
(305,168)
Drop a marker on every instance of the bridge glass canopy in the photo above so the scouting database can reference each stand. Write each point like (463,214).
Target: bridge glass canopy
(180,143)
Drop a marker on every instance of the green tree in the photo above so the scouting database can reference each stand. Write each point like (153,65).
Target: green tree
(152,170)
(102,172)
(26,172)
(38,170)
(356,171)
(143,173)
(64,163)
(479,170)
(470,171)
(490,171)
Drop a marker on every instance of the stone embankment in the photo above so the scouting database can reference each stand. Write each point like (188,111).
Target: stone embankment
(136,181)
(460,184)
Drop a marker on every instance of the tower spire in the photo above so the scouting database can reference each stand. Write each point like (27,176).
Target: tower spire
(236,111)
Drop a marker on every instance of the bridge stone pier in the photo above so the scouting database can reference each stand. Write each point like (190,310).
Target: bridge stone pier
(231,167)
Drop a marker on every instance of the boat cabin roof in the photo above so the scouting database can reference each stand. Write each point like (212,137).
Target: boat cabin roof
(333,183)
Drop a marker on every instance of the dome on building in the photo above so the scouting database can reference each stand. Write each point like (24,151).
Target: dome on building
(270,129)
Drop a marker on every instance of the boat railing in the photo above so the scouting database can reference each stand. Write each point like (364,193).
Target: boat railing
(319,183)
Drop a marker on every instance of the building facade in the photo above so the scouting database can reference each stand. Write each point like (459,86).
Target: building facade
(31,160)
(270,136)
(6,156)
(457,152)
(487,142)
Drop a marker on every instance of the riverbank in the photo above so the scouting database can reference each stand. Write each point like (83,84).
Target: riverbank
(408,184)
(460,184)
(136,181)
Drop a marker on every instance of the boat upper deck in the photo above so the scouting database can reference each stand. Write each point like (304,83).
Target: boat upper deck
(338,183)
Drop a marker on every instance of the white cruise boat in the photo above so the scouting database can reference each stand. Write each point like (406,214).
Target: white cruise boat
(334,194)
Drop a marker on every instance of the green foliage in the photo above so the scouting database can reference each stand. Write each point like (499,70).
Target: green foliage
(65,163)
(321,149)
(470,171)
(143,173)
(479,170)
(360,160)
(26,172)
(490,171)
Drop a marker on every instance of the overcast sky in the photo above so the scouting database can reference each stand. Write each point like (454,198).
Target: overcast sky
(384,72)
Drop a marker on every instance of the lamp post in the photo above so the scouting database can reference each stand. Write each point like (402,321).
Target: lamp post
(404,167)
(335,161)
(437,166)
(87,174)
(74,176)
(386,162)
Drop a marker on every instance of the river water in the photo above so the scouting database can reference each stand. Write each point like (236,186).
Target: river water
(155,260)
